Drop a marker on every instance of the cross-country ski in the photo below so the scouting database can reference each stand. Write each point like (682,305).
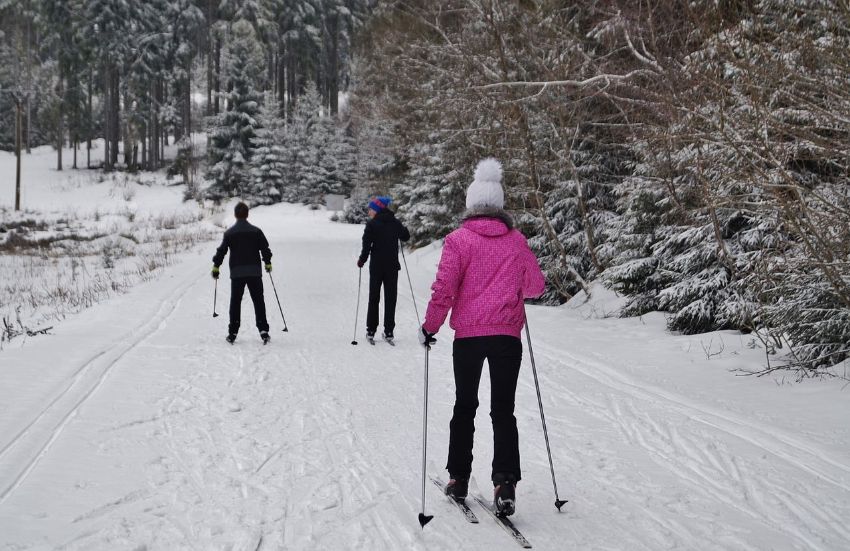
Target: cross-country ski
(503,521)
(461,505)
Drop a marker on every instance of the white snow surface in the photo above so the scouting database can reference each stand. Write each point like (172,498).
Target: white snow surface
(136,426)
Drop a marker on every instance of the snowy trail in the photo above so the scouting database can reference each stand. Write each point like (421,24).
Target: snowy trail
(20,455)
(155,434)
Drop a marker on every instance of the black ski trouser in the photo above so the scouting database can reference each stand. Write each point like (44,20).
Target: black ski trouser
(504,355)
(237,289)
(388,278)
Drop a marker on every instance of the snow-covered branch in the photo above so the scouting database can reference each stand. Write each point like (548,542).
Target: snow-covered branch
(605,79)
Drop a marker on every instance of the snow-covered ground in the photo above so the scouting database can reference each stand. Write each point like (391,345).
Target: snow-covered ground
(82,236)
(135,426)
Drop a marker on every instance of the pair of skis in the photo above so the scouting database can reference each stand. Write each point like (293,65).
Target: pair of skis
(371,340)
(469,515)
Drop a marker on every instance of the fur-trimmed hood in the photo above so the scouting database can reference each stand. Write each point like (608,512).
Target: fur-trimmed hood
(489,212)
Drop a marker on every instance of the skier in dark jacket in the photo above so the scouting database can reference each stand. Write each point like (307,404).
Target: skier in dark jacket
(380,241)
(247,245)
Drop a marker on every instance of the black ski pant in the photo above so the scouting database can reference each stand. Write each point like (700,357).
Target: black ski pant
(388,278)
(504,355)
(237,289)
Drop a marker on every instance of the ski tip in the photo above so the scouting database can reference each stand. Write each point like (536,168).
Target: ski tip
(560,503)
(424,519)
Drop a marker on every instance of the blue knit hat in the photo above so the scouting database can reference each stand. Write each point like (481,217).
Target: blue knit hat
(378,204)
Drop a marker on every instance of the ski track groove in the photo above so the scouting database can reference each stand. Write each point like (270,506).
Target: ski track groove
(714,419)
(135,337)
(338,467)
(706,464)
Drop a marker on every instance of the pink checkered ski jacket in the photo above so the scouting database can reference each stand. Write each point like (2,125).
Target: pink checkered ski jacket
(485,273)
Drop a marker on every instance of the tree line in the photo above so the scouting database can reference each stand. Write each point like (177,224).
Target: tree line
(691,155)
(127,71)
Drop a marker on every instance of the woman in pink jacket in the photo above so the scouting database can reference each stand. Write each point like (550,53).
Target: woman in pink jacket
(486,272)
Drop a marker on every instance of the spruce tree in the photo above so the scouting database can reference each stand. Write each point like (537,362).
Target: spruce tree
(231,133)
(302,149)
(267,163)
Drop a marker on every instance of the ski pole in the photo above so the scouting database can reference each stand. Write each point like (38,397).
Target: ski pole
(558,502)
(215,298)
(412,296)
(357,312)
(423,518)
(285,328)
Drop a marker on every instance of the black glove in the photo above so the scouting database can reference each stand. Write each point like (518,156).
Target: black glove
(360,263)
(426,339)
(214,272)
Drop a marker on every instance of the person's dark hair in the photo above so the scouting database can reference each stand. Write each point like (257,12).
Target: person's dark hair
(240,211)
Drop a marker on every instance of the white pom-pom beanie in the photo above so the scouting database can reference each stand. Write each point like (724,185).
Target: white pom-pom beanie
(486,187)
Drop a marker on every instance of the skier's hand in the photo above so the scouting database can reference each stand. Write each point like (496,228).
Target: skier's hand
(269,267)
(215,272)
(426,339)
(360,263)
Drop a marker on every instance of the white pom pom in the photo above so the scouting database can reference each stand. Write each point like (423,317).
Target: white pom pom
(489,170)
(486,188)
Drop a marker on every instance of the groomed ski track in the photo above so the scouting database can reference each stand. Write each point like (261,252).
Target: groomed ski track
(137,427)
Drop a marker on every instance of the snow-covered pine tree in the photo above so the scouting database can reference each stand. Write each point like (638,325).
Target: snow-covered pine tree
(267,162)
(374,167)
(737,212)
(232,131)
(306,139)
(337,157)
(432,194)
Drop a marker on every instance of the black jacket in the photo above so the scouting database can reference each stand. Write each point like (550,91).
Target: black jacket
(246,243)
(380,239)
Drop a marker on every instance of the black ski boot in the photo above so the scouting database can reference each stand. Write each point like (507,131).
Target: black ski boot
(265,336)
(388,336)
(457,488)
(230,338)
(504,494)
(370,336)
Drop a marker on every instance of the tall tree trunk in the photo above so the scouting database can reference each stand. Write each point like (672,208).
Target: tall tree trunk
(29,83)
(217,76)
(179,86)
(270,64)
(115,115)
(155,132)
(60,123)
(107,116)
(187,102)
(29,123)
(291,78)
(209,49)
(333,64)
(145,137)
(208,108)
(281,78)
(89,118)
(18,130)
(127,136)
(164,126)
